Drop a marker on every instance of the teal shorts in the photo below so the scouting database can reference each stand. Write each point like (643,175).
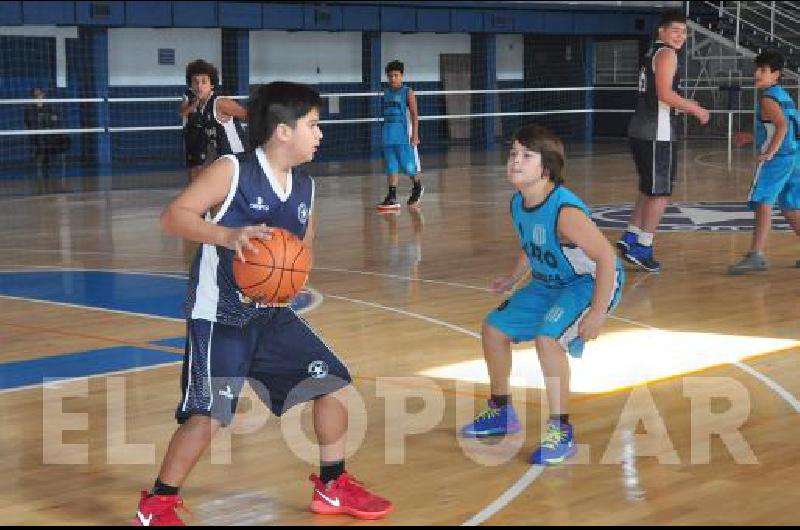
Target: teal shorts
(540,311)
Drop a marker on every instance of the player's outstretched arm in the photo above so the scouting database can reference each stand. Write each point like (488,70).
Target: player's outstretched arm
(228,108)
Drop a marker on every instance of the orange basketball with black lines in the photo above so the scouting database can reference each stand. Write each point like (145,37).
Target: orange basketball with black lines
(277,272)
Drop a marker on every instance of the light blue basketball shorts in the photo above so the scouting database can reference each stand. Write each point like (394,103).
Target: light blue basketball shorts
(539,311)
(401,157)
(776,182)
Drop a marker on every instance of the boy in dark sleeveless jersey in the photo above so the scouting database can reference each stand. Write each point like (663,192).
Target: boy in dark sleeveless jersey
(577,281)
(212,125)
(232,339)
(653,134)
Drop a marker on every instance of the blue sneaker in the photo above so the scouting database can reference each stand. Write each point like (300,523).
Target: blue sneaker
(627,240)
(557,445)
(642,256)
(493,421)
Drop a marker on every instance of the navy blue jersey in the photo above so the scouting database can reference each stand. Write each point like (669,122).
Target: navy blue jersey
(653,119)
(255,197)
(203,130)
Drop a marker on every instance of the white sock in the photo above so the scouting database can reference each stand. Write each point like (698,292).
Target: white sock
(646,239)
(634,230)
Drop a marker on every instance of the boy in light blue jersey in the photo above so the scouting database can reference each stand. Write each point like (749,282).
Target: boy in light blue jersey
(400,137)
(777,173)
(577,281)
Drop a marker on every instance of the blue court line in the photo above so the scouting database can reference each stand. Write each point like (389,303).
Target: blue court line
(83,364)
(175,342)
(135,293)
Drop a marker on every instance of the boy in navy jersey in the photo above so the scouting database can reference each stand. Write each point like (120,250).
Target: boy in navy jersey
(212,125)
(577,280)
(231,338)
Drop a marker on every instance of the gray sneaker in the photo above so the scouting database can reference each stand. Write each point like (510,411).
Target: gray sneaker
(752,261)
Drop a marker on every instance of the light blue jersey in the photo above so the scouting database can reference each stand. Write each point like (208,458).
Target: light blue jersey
(561,292)
(765,130)
(552,263)
(777,181)
(396,118)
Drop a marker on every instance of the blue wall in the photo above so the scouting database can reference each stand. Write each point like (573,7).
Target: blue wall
(31,62)
(470,17)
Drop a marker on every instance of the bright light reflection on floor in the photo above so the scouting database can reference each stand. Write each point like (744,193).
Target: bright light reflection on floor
(626,358)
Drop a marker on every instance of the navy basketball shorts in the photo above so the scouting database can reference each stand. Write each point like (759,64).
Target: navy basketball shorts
(657,163)
(283,359)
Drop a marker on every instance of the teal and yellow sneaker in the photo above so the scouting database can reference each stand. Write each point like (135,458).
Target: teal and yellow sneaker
(557,445)
(494,421)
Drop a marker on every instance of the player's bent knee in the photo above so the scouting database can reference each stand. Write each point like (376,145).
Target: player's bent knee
(206,424)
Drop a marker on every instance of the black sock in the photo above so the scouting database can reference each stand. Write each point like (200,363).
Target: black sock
(416,183)
(163,489)
(562,418)
(330,471)
(392,191)
(501,401)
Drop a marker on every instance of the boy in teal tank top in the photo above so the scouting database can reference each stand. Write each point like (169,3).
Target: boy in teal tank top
(576,281)
(777,172)
(400,138)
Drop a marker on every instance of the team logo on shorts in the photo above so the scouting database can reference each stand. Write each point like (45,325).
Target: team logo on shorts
(318,369)
(555,314)
(691,217)
(302,213)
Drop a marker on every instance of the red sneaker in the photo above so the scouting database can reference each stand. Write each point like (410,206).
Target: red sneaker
(347,495)
(158,510)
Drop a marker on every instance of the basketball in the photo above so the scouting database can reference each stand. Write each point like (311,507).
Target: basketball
(277,272)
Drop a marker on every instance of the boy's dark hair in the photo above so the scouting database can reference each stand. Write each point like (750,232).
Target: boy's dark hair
(276,103)
(201,67)
(395,66)
(772,59)
(671,17)
(545,142)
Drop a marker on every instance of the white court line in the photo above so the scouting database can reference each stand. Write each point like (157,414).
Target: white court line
(771,383)
(163,274)
(449,284)
(90,308)
(505,499)
(535,472)
(83,253)
(431,320)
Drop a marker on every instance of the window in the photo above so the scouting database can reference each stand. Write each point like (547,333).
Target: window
(616,62)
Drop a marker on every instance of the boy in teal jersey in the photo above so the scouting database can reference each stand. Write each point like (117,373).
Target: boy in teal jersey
(777,173)
(577,281)
(400,137)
